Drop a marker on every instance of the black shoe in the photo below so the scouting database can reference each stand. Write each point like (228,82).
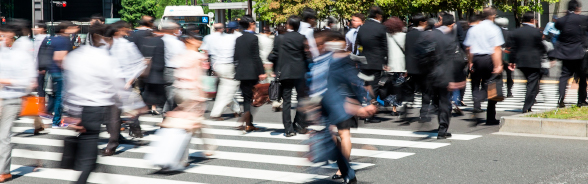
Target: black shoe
(582,104)
(462,104)
(395,114)
(475,111)
(290,134)
(350,181)
(443,135)
(372,120)
(561,104)
(424,119)
(300,129)
(492,122)
(336,177)
(107,152)
(527,111)
(509,95)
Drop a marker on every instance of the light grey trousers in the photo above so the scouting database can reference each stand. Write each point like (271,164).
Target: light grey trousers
(8,113)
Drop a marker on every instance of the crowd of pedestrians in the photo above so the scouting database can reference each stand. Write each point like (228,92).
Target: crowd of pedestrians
(340,76)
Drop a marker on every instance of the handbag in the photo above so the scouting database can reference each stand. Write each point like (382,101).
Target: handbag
(495,88)
(210,85)
(274,89)
(32,106)
(70,148)
(260,94)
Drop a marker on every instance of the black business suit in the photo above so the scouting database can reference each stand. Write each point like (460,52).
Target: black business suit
(443,72)
(154,93)
(570,48)
(507,44)
(248,67)
(291,68)
(139,36)
(418,74)
(372,37)
(527,50)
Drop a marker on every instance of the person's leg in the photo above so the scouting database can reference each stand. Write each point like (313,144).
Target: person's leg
(247,93)
(226,90)
(299,119)
(426,96)
(509,81)
(566,74)
(344,166)
(287,86)
(170,102)
(476,93)
(581,83)
(444,113)
(57,104)
(113,128)
(9,111)
(533,76)
(92,118)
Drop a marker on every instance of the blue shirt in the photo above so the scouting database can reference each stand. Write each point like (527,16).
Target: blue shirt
(483,38)
(550,28)
(59,43)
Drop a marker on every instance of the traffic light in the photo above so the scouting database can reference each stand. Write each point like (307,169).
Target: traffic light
(64,4)
(60,3)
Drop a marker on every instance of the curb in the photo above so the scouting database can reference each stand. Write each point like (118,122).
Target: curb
(546,126)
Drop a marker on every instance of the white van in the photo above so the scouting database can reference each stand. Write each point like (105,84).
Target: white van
(188,15)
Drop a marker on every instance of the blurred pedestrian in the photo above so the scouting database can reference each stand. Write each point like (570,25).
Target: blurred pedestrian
(550,32)
(506,51)
(485,42)
(391,91)
(417,72)
(307,29)
(222,50)
(17,76)
(249,67)
(356,22)
(173,47)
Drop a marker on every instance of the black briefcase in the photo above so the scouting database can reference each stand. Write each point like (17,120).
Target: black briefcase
(70,149)
(274,89)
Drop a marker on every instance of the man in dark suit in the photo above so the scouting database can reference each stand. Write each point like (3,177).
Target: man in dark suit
(444,77)
(526,53)
(372,39)
(417,73)
(249,68)
(570,49)
(291,68)
(141,33)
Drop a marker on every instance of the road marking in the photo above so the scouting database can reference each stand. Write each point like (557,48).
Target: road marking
(540,136)
(95,177)
(260,174)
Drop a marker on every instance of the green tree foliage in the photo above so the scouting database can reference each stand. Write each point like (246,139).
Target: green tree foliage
(277,11)
(132,10)
(518,7)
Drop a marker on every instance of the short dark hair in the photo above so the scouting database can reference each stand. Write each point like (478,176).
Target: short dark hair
(21,25)
(40,24)
(98,16)
(146,23)
(294,21)
(417,18)
(360,16)
(488,12)
(245,21)
(8,28)
(330,20)
(329,35)
(62,26)
(281,29)
(114,27)
(573,5)
(448,19)
(374,11)
(475,18)
(99,29)
(308,13)
(528,16)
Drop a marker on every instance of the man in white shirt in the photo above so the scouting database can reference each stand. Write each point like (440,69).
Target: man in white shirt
(356,21)
(17,75)
(307,29)
(172,47)
(485,42)
(224,67)
(212,39)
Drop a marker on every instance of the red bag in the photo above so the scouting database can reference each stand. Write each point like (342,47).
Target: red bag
(260,94)
(32,106)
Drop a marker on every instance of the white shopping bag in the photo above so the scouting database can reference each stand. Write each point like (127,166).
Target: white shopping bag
(169,148)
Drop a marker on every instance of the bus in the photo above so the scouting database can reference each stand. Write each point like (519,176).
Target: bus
(188,15)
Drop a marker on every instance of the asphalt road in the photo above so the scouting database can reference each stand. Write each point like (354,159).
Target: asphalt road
(407,152)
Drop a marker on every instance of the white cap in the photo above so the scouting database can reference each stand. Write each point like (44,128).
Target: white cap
(501,21)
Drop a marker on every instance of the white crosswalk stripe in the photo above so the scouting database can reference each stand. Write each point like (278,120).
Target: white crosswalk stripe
(254,151)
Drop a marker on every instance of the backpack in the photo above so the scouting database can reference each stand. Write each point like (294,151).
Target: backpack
(45,54)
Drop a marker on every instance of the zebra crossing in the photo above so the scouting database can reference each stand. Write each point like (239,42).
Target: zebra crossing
(262,156)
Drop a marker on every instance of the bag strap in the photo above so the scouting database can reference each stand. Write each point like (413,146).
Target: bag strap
(402,49)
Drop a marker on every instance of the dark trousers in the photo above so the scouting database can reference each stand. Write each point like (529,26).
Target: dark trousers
(533,76)
(509,80)
(571,68)
(483,67)
(92,118)
(287,86)
(113,128)
(247,93)
(444,112)
(41,85)
(419,82)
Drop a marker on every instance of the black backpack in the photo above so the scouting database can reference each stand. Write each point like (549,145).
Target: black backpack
(45,54)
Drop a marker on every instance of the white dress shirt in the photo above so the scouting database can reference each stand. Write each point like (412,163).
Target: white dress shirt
(266,44)
(92,81)
(308,31)
(172,47)
(350,39)
(483,38)
(37,44)
(17,67)
(129,57)
(209,40)
(25,44)
(224,49)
